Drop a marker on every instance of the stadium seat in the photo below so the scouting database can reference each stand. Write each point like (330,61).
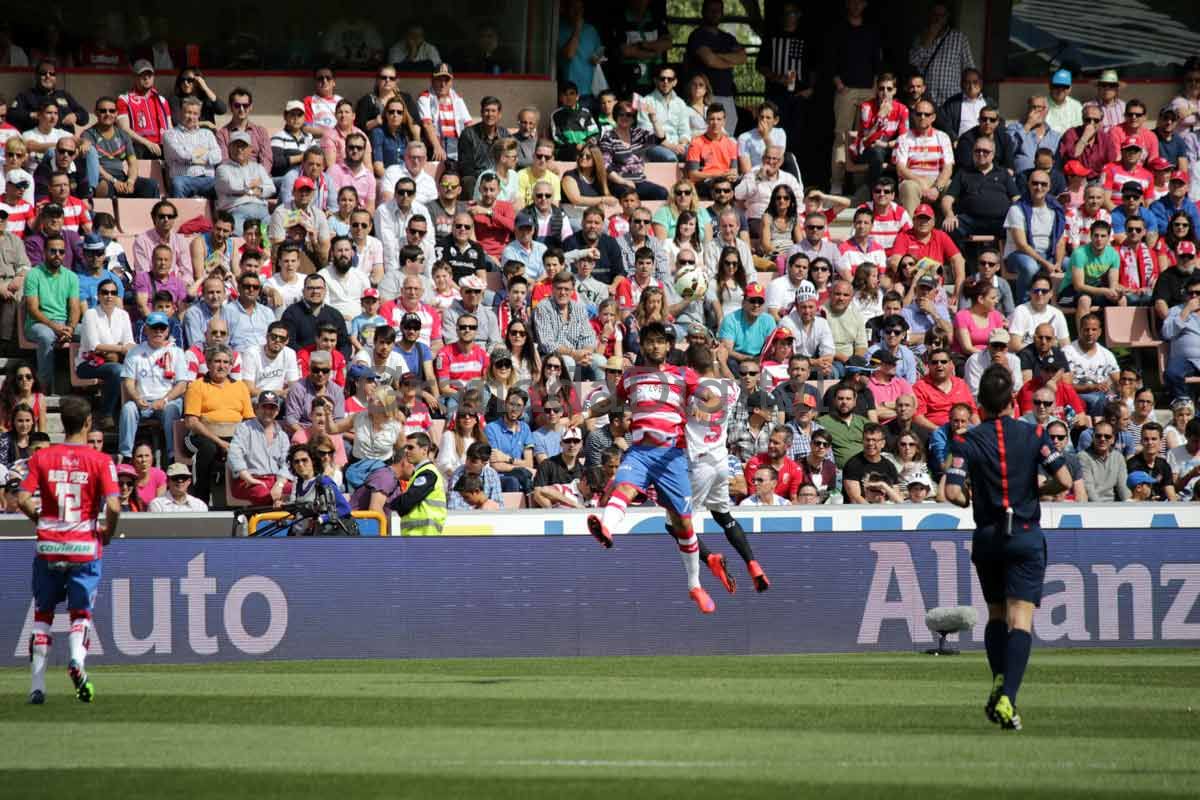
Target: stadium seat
(104,205)
(22,342)
(1164,351)
(1129,326)
(664,175)
(152,169)
(76,381)
(126,242)
(230,500)
(513,501)
(190,208)
(562,167)
(133,214)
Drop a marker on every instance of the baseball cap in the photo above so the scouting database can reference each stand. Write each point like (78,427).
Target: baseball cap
(358,372)
(370,293)
(499,353)
(178,470)
(1131,143)
(552,404)
(1131,189)
(572,434)
(754,290)
(614,362)
(927,281)
(126,469)
(1182,402)
(858,364)
(525,220)
(804,402)
(1179,175)
(303,182)
(157,319)
(1158,164)
(760,399)
(919,478)
(94,243)
(1061,77)
(18,176)
(293,105)
(240,136)
(882,356)
(696,329)
(923,210)
(472,282)
(268,398)
(1108,76)
(1185,248)
(1075,167)
(142,65)
(410,319)
(998,336)
(1139,477)
(443,71)
(805,292)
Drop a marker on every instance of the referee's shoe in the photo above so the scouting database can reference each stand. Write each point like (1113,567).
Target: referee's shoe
(1009,719)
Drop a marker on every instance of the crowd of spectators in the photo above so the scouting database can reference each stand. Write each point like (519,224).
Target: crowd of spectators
(354,310)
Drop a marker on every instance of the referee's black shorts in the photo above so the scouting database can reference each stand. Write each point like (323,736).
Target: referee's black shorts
(1010,566)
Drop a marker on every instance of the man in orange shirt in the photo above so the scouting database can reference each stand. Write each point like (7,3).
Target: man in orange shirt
(712,154)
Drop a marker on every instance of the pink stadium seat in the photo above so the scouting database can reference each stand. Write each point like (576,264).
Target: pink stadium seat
(134,214)
(1130,326)
(104,205)
(154,171)
(1164,351)
(662,174)
(190,208)
(513,501)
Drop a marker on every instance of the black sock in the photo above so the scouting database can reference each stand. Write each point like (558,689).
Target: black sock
(995,641)
(1016,658)
(735,534)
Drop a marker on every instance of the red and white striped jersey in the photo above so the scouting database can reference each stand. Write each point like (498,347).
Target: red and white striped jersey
(72,481)
(431,320)
(710,439)
(872,128)
(889,224)
(20,216)
(629,292)
(197,366)
(149,114)
(451,364)
(1139,267)
(319,110)
(1079,225)
(75,213)
(1115,176)
(925,155)
(657,399)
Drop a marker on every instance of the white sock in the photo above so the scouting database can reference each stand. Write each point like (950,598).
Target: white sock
(689,551)
(77,639)
(614,512)
(39,654)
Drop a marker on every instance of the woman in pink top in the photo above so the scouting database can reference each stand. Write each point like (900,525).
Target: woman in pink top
(973,326)
(151,481)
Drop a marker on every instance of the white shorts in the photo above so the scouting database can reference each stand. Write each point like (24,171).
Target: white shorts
(710,486)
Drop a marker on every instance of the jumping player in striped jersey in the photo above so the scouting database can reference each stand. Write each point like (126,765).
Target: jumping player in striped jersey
(1001,456)
(657,395)
(74,483)
(707,435)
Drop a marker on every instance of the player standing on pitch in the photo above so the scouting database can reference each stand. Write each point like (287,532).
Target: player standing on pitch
(1001,456)
(73,482)
(657,395)
(707,438)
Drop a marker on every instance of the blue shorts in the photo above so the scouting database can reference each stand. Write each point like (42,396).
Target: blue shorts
(77,584)
(1010,566)
(664,468)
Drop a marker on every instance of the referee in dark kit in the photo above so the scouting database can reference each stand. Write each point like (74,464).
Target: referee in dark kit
(994,467)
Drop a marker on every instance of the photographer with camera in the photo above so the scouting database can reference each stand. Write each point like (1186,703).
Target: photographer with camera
(314,499)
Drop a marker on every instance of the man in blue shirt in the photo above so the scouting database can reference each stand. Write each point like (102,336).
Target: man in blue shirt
(512,444)
(248,319)
(1175,200)
(744,332)
(95,273)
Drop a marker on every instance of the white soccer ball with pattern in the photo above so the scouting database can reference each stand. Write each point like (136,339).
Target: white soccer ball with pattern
(691,283)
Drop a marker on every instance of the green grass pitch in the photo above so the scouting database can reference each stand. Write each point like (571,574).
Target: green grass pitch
(1099,724)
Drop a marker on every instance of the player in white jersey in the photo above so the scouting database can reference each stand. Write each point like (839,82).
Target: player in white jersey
(707,433)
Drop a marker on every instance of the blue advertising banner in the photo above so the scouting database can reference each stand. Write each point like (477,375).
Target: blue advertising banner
(175,601)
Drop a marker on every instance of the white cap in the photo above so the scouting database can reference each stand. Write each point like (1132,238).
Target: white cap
(18,176)
(805,292)
(293,105)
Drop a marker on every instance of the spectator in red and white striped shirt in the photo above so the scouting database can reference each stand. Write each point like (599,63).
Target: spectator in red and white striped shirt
(20,211)
(890,217)
(75,212)
(924,159)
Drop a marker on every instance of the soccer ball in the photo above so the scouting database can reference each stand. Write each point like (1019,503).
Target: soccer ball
(691,283)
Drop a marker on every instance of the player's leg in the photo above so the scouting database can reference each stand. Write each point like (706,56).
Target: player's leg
(1023,578)
(737,537)
(82,583)
(47,593)
(705,480)
(630,479)
(675,493)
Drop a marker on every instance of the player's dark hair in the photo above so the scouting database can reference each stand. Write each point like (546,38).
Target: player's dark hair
(699,358)
(872,428)
(612,452)
(995,389)
(643,254)
(162,296)
(1152,426)
(420,439)
(385,333)
(1100,225)
(479,451)
(655,328)
(75,411)
(39,437)
(594,476)
(469,483)
(774,472)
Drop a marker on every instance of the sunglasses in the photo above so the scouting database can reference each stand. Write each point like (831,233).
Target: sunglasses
(468,327)
(552,367)
(56,251)
(685,262)
(320,370)
(922,113)
(1043,403)
(1058,437)
(405,192)
(683,193)
(818,269)
(166,216)
(982,151)
(505,364)
(748,374)
(941,362)
(63,152)
(1104,437)
(418,231)
(640,222)
(543,156)
(277,337)
(814,227)
(1135,113)
(468,226)
(251,287)
(107,293)
(1039,291)
(894,331)
(512,332)
(385,77)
